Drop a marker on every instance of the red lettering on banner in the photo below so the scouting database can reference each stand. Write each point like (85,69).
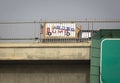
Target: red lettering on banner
(48,30)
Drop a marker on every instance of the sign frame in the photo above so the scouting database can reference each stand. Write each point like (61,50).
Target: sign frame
(77,30)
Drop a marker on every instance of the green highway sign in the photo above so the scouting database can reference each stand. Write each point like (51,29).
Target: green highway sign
(110,61)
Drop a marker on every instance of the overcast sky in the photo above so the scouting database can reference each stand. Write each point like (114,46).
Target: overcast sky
(58,9)
(31,10)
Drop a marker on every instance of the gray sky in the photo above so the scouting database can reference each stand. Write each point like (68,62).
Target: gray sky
(30,10)
(58,9)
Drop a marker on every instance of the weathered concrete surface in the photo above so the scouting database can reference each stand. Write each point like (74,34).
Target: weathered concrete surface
(47,73)
(43,51)
(43,44)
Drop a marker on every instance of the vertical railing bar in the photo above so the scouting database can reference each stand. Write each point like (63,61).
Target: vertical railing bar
(88,32)
(92,30)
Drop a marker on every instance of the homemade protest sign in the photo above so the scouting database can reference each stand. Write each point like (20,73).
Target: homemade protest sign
(60,30)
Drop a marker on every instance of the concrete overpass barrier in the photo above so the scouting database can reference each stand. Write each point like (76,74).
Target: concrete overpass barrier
(45,51)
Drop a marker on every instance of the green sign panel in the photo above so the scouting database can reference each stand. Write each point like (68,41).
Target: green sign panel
(110,61)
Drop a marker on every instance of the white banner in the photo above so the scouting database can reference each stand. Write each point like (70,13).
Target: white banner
(60,30)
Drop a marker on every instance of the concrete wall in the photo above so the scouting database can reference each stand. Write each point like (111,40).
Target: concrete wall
(37,63)
(66,51)
(44,73)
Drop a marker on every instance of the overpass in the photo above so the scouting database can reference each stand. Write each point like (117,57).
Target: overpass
(44,62)
(44,59)
(51,61)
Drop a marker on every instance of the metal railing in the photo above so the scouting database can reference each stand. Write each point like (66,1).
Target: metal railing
(10,33)
(53,40)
